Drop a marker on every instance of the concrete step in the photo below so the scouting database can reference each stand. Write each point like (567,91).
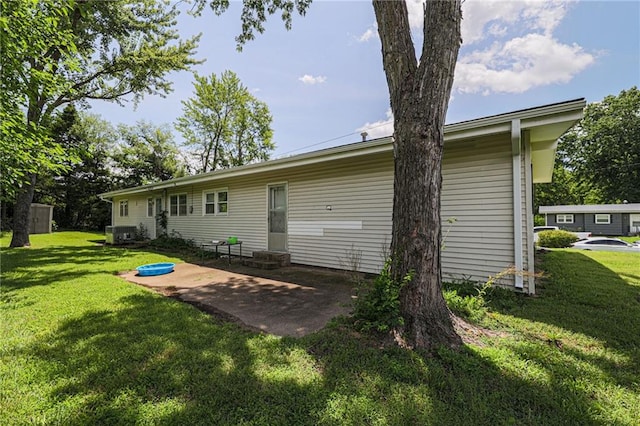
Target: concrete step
(282,259)
(261,264)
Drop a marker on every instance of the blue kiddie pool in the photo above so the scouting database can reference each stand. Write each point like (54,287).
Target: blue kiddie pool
(155,269)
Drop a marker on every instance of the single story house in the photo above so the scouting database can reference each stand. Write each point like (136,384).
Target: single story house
(599,219)
(321,205)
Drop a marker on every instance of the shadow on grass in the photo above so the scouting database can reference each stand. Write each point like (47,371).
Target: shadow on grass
(580,295)
(27,267)
(154,360)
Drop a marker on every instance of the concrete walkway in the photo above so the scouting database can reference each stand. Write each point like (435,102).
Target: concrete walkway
(275,307)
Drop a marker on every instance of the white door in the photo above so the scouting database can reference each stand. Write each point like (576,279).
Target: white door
(277,217)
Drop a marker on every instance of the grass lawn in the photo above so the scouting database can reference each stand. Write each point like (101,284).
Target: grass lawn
(81,346)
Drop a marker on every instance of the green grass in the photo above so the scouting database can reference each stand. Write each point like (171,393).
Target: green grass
(81,346)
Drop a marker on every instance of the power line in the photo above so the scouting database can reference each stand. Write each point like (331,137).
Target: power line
(327,141)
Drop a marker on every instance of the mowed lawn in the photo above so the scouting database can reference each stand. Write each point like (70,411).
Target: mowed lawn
(79,345)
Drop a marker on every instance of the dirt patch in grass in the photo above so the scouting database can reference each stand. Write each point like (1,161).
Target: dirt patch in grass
(473,334)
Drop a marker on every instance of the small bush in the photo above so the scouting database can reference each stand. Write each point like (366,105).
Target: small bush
(379,307)
(556,239)
(173,241)
(467,306)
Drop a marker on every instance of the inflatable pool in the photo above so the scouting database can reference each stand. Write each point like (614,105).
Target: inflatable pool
(155,269)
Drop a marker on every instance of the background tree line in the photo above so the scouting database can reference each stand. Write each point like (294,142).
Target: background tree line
(598,161)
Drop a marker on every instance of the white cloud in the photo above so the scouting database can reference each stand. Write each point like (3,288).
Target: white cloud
(523,53)
(370,33)
(309,79)
(378,129)
(480,18)
(509,46)
(520,64)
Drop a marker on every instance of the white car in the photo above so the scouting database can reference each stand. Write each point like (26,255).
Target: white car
(606,244)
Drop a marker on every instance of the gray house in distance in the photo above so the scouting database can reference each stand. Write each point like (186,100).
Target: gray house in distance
(599,219)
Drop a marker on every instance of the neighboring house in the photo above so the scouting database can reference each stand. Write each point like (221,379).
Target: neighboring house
(599,219)
(320,205)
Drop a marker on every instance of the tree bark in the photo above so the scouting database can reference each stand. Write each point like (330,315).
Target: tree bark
(419,93)
(22,214)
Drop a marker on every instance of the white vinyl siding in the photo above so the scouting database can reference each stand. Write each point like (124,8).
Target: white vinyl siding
(477,193)
(564,218)
(360,196)
(137,209)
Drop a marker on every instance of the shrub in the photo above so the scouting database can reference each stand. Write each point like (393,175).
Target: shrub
(173,241)
(556,239)
(379,307)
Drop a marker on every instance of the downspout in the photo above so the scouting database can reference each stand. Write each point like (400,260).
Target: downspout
(516,157)
(112,213)
(528,188)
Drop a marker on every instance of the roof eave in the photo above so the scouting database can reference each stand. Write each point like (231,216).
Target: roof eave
(561,115)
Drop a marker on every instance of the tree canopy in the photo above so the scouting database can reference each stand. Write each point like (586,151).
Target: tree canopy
(63,51)
(224,125)
(88,141)
(603,150)
(598,161)
(147,154)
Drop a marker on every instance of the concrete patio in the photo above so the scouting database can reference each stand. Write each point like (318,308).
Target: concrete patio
(275,307)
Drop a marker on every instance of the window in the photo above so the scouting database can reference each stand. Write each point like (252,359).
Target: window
(564,218)
(178,205)
(149,207)
(603,219)
(124,208)
(216,202)
(222,202)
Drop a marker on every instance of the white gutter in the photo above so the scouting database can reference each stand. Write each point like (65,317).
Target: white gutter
(110,202)
(516,144)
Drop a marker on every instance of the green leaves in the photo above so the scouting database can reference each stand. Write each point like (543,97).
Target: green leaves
(148,155)
(599,160)
(379,308)
(255,14)
(64,51)
(224,125)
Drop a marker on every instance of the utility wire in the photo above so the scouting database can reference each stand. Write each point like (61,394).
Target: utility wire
(326,141)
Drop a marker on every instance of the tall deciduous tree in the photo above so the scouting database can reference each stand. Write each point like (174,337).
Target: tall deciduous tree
(147,154)
(603,150)
(88,141)
(419,92)
(224,124)
(61,51)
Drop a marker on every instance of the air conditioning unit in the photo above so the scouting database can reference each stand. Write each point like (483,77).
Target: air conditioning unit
(119,234)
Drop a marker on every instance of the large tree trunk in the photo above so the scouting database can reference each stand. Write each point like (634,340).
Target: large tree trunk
(419,97)
(22,214)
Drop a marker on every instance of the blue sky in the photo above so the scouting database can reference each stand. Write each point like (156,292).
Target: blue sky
(324,82)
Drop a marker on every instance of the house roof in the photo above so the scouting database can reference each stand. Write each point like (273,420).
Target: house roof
(544,125)
(592,208)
